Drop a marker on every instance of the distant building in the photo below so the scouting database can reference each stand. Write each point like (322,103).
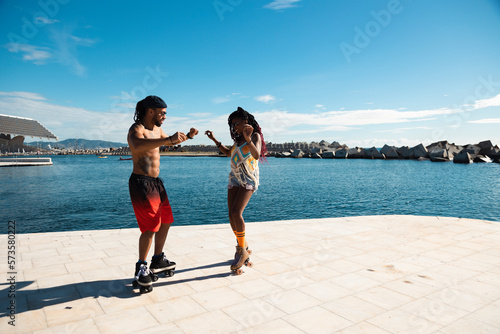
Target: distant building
(13,130)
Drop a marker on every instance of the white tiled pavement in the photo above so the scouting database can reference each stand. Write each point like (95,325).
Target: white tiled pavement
(376,274)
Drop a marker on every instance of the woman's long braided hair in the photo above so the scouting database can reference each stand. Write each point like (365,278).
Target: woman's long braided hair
(245,115)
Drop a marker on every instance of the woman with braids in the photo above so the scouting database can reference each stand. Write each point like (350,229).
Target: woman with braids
(247,150)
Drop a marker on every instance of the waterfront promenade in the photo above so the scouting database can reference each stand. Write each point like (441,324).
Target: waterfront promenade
(375,274)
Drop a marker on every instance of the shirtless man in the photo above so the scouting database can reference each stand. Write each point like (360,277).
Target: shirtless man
(147,193)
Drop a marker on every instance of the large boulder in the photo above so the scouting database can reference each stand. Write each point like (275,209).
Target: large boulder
(362,153)
(473,150)
(335,144)
(343,147)
(440,144)
(297,153)
(328,155)
(386,149)
(489,150)
(341,154)
(462,158)
(315,156)
(486,147)
(438,159)
(324,143)
(419,151)
(482,158)
(405,152)
(494,153)
(316,150)
(453,150)
(439,154)
(390,152)
(354,153)
(373,153)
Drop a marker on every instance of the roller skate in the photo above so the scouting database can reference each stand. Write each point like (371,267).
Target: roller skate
(160,264)
(144,278)
(246,247)
(241,258)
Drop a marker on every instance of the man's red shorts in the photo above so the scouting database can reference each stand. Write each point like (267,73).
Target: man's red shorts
(150,202)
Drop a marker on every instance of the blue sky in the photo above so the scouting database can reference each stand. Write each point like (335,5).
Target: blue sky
(364,73)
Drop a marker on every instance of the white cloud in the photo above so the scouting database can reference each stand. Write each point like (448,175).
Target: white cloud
(265,98)
(44,20)
(228,97)
(26,95)
(282,4)
(401,130)
(319,106)
(36,54)
(278,125)
(279,122)
(66,50)
(221,99)
(83,41)
(200,114)
(492,102)
(126,105)
(71,122)
(486,121)
(380,142)
(378,116)
(66,121)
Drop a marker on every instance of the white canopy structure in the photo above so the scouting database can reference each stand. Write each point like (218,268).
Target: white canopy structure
(20,126)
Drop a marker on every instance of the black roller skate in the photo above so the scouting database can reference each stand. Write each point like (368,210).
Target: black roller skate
(160,264)
(144,278)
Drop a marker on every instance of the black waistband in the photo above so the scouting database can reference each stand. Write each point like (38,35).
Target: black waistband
(144,177)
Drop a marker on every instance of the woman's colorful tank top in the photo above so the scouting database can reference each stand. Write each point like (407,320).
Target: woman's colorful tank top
(244,167)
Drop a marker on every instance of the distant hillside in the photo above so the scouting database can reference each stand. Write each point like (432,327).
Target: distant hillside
(77,143)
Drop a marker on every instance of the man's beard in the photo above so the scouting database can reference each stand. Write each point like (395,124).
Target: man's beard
(157,122)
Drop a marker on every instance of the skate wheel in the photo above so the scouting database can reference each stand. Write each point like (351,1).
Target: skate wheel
(169,273)
(249,251)
(239,271)
(135,284)
(146,289)
(154,277)
(250,264)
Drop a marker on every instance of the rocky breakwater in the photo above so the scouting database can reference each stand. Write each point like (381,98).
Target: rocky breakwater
(441,151)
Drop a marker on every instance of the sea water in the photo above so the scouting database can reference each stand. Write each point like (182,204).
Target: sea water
(87,193)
